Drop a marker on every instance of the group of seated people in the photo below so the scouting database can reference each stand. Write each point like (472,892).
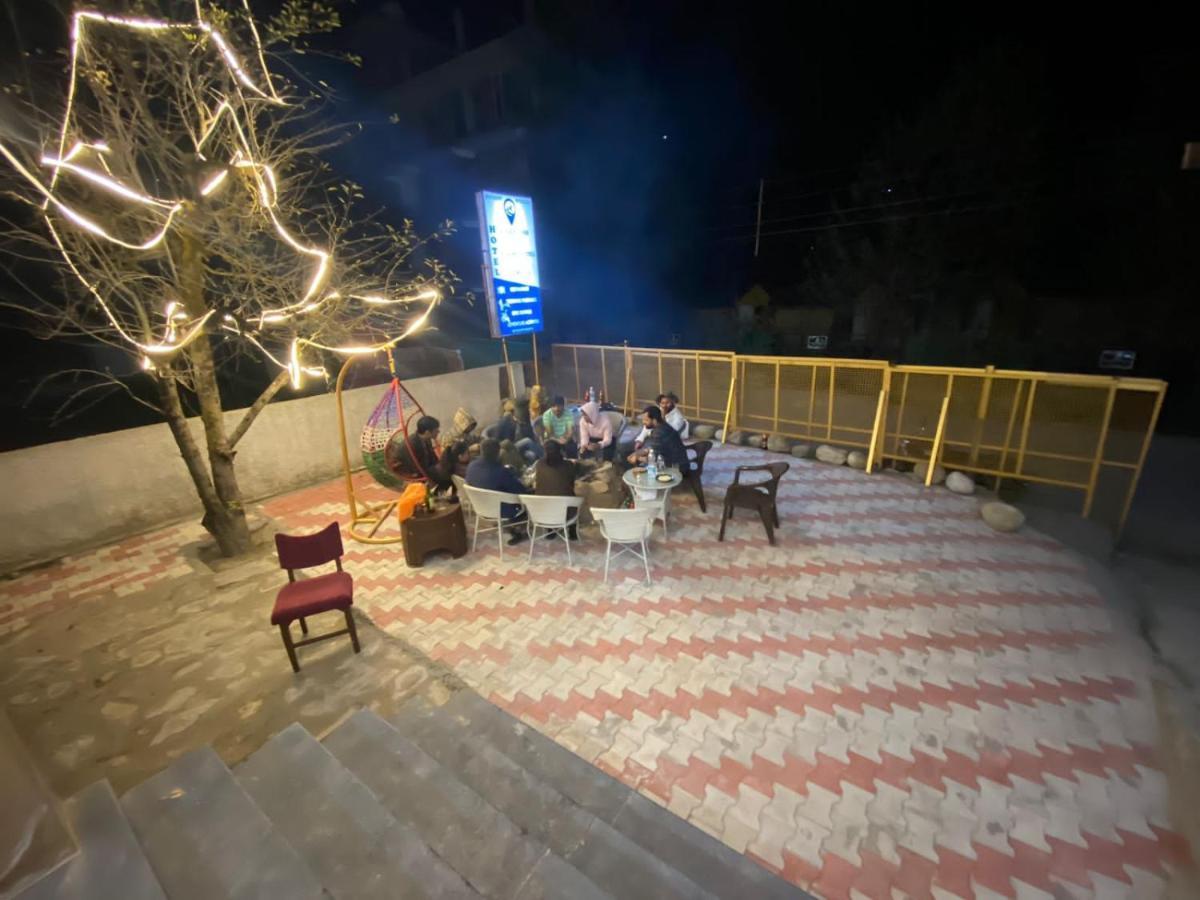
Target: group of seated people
(589,436)
(515,443)
(553,476)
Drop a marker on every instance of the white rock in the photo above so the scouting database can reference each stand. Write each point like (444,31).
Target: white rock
(737,438)
(856,459)
(921,468)
(703,432)
(835,456)
(779,444)
(960,483)
(1001,516)
(802,451)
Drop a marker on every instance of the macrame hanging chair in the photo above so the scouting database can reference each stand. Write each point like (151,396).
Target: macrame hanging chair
(394,418)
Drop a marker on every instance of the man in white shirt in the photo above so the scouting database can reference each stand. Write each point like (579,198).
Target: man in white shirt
(671,415)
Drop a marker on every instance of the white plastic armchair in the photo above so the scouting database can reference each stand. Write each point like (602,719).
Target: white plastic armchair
(656,505)
(551,515)
(487,509)
(629,529)
(460,490)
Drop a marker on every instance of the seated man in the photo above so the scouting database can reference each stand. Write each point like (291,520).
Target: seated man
(669,404)
(559,426)
(663,440)
(554,476)
(489,473)
(416,457)
(515,426)
(595,432)
(671,415)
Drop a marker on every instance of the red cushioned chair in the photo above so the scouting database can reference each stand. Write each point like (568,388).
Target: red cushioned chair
(321,593)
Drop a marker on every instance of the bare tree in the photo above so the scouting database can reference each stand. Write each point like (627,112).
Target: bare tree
(177,185)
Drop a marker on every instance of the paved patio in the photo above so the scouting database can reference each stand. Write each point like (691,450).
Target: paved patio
(894,701)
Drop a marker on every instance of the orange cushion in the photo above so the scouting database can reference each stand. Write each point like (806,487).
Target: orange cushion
(334,590)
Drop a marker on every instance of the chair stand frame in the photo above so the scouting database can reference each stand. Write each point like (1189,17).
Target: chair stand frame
(563,530)
(499,527)
(285,630)
(629,548)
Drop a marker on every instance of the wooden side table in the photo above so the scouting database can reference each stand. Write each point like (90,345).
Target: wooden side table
(441,529)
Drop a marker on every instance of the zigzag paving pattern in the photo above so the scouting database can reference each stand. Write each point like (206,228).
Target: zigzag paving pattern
(893,702)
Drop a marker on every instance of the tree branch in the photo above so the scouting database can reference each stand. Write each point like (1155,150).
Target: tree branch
(257,406)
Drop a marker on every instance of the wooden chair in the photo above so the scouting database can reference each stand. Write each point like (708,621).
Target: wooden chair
(696,453)
(759,496)
(309,596)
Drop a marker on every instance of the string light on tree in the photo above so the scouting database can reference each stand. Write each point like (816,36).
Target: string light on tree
(84,158)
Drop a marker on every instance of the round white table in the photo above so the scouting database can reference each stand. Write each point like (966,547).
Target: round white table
(641,481)
(649,491)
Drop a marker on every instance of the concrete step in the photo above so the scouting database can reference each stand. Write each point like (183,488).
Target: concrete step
(610,859)
(110,862)
(206,839)
(350,841)
(478,841)
(702,858)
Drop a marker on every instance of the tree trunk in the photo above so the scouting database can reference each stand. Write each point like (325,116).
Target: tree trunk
(226,519)
(193,458)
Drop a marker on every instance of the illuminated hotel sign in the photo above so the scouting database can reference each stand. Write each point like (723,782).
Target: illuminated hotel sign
(510,269)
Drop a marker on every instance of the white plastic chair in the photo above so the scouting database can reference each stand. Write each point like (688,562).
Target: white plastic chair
(487,509)
(551,515)
(629,529)
(460,490)
(658,506)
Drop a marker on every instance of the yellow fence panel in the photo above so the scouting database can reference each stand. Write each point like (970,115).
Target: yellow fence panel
(1090,433)
(812,399)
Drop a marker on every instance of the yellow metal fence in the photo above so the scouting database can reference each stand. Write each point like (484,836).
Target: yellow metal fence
(1085,432)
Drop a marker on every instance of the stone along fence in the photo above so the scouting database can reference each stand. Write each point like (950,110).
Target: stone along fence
(1089,433)
(69,495)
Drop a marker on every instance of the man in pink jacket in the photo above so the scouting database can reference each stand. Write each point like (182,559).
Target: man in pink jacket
(595,432)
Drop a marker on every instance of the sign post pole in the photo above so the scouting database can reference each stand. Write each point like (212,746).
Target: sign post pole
(508,368)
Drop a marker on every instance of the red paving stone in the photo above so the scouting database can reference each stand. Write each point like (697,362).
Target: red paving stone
(894,700)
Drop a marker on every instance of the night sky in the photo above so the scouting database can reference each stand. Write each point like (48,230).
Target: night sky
(1033,149)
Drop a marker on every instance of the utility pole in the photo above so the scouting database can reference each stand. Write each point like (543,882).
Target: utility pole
(758,222)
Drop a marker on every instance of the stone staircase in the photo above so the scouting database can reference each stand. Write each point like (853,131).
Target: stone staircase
(459,800)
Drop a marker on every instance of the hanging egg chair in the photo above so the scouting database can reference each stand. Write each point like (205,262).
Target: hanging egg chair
(393,420)
(392,424)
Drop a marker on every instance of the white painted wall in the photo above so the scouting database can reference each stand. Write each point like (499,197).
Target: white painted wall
(63,497)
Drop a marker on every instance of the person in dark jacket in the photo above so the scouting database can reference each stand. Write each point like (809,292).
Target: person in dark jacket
(489,473)
(555,476)
(515,426)
(416,458)
(663,440)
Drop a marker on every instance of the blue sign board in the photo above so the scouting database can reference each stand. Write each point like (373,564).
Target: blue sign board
(510,267)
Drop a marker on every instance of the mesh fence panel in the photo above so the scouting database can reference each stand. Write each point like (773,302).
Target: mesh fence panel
(855,400)
(1024,425)
(715,375)
(1133,411)
(797,394)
